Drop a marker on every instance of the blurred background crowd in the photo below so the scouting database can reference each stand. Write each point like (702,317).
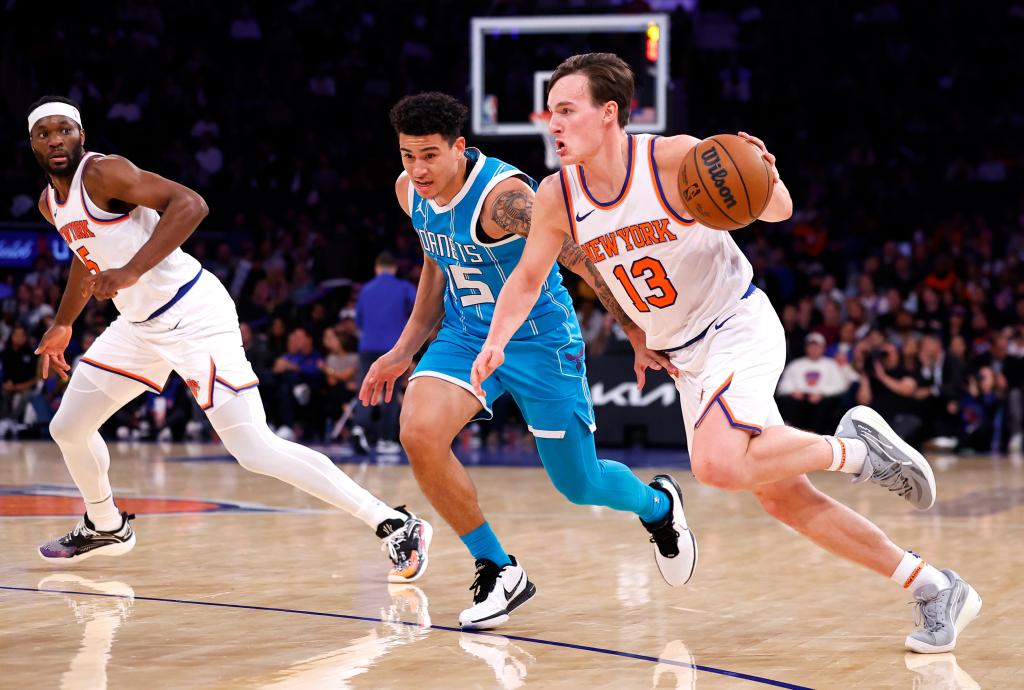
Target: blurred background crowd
(898,279)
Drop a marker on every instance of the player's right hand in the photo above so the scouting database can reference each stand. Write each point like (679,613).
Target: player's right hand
(382,376)
(490,358)
(51,350)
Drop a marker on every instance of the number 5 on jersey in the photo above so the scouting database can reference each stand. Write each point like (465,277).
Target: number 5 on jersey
(481,291)
(93,267)
(653,273)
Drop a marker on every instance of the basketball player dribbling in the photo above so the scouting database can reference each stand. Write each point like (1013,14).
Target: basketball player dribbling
(125,227)
(689,288)
(471,213)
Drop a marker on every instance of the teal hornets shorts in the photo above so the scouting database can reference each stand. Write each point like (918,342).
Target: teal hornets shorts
(545,374)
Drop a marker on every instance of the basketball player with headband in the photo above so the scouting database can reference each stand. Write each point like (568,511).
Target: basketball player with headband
(689,288)
(125,227)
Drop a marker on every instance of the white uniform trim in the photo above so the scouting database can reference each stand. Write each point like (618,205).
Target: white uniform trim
(458,382)
(491,184)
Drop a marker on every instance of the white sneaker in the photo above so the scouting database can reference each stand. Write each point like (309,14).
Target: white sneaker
(388,448)
(496,593)
(675,547)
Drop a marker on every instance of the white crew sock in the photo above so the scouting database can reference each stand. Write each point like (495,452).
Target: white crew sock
(848,454)
(913,573)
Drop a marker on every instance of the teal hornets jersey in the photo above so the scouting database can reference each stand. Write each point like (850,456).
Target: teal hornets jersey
(475,266)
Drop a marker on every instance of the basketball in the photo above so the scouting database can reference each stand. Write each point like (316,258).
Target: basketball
(725,182)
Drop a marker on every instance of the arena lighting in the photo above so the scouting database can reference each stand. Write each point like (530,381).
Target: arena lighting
(653,36)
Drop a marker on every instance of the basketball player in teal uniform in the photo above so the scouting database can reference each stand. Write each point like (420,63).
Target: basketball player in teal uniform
(471,214)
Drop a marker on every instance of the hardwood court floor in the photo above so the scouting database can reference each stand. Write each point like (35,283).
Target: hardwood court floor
(269,590)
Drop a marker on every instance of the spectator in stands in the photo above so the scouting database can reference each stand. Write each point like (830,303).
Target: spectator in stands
(888,387)
(984,407)
(942,380)
(340,367)
(19,378)
(298,384)
(383,307)
(811,388)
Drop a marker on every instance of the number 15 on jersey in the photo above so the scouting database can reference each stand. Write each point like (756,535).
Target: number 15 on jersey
(479,291)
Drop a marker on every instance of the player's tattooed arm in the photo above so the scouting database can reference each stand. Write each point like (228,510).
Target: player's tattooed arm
(576,260)
(512,211)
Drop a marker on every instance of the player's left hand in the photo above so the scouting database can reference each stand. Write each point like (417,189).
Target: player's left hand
(645,358)
(769,157)
(105,284)
(490,358)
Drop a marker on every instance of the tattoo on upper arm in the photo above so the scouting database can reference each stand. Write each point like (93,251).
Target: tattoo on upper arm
(512,211)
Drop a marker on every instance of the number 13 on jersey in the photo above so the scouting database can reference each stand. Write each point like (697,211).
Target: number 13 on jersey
(653,273)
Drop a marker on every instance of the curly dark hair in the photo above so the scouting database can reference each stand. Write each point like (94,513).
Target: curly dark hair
(429,113)
(50,99)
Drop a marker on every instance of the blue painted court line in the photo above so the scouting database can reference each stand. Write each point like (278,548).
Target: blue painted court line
(534,640)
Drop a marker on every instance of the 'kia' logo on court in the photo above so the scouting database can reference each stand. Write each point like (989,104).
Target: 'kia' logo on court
(580,219)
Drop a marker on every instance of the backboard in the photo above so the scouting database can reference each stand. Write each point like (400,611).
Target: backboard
(512,59)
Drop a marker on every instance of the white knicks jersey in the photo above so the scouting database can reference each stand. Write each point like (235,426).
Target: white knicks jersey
(102,240)
(669,273)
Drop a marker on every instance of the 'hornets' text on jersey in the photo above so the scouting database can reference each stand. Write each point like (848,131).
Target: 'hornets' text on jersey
(475,266)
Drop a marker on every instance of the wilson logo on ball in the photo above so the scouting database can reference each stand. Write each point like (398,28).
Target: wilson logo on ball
(713,163)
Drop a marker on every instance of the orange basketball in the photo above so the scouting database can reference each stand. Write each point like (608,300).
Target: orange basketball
(725,182)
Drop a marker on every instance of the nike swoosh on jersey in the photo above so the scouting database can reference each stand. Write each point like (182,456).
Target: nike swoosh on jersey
(722,323)
(580,219)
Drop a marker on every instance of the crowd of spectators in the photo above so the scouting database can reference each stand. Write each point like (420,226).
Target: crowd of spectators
(898,279)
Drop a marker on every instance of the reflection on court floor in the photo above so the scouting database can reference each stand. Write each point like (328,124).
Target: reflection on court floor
(273,590)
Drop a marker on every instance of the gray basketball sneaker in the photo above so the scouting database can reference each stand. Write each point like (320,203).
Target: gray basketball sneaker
(891,463)
(943,615)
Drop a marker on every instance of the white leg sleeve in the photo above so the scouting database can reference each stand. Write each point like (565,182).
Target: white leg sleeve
(241,424)
(89,400)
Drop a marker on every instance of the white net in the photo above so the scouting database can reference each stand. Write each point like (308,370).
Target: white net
(540,122)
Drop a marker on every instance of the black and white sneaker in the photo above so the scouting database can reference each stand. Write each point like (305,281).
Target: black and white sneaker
(407,545)
(85,541)
(496,593)
(675,547)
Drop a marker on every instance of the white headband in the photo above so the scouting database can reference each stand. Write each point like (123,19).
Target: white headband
(53,108)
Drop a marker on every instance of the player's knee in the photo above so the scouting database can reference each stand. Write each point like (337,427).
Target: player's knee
(417,437)
(775,504)
(786,501)
(66,429)
(575,491)
(719,470)
(242,444)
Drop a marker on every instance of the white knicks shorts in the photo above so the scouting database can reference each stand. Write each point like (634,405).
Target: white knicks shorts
(198,337)
(735,367)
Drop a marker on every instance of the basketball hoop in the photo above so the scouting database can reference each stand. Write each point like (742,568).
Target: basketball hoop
(540,121)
